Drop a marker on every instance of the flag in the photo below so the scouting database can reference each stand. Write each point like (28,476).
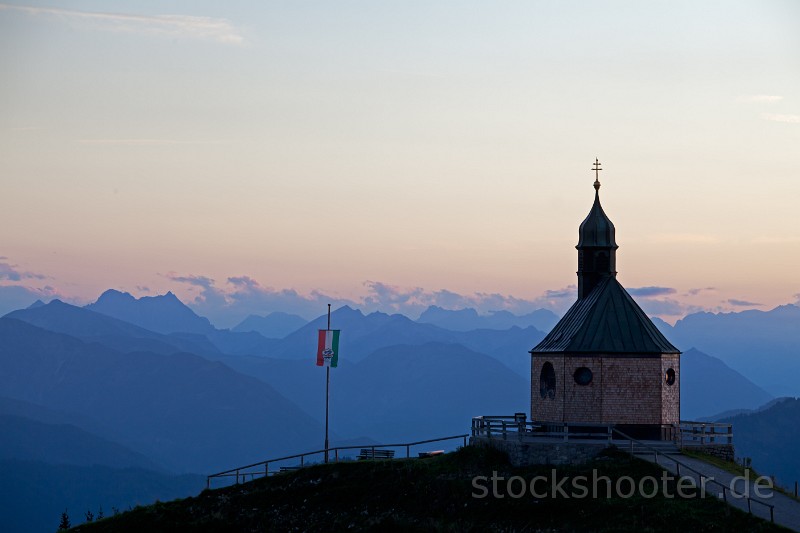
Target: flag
(328,348)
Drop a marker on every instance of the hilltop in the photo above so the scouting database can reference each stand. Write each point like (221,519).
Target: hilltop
(430,494)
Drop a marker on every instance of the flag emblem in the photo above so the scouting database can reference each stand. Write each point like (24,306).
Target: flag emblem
(328,348)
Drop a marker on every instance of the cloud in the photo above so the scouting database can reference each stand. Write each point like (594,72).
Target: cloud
(207,28)
(413,301)
(570,291)
(653,301)
(742,303)
(244,281)
(240,296)
(777,117)
(662,308)
(11,273)
(759,98)
(649,292)
(695,292)
(209,295)
(198,281)
(668,308)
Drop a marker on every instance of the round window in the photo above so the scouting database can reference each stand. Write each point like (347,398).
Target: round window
(547,381)
(669,376)
(583,376)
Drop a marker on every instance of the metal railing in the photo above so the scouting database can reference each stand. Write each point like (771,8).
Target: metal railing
(703,478)
(261,468)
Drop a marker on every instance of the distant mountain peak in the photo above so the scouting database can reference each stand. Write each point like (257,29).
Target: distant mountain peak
(469,319)
(37,303)
(347,310)
(114,293)
(275,325)
(786,309)
(434,313)
(163,313)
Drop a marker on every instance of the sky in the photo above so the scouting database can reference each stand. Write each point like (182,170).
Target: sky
(256,156)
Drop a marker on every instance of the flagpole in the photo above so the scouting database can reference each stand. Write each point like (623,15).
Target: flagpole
(327,391)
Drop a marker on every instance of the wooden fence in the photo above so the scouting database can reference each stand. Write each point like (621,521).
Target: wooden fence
(704,434)
(517,427)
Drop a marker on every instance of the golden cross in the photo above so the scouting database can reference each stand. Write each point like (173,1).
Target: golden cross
(597,169)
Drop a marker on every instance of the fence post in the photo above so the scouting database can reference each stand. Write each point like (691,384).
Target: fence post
(465,441)
(373,452)
(302,457)
(408,451)
(266,469)
(566,432)
(237,476)
(208,482)
(505,437)
(336,454)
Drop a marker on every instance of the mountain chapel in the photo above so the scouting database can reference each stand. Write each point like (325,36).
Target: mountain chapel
(605,362)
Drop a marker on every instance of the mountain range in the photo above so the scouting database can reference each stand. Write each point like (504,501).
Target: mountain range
(187,397)
(182,410)
(762,345)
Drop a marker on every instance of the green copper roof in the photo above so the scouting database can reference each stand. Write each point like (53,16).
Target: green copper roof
(606,321)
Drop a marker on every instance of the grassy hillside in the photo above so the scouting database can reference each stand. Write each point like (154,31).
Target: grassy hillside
(429,494)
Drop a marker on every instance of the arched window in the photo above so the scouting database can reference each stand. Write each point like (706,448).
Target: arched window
(669,376)
(547,381)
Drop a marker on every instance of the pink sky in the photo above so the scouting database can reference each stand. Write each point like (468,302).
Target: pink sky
(395,147)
